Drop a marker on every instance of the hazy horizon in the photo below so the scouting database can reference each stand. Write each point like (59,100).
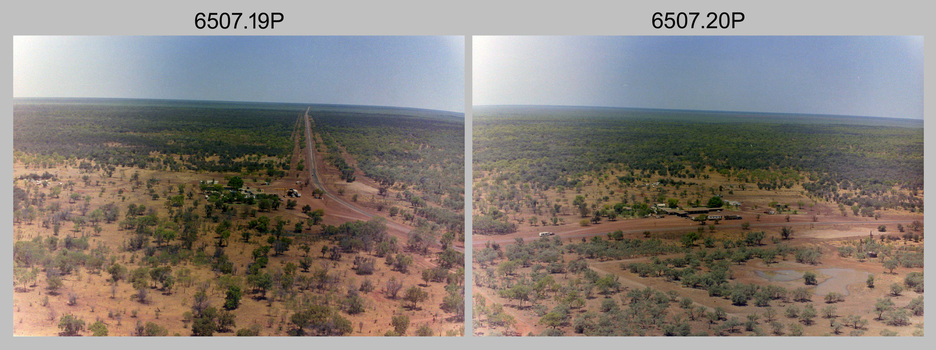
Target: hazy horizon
(234,102)
(425,72)
(685,110)
(846,75)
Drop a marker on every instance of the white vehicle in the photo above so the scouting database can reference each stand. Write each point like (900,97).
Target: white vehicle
(544,234)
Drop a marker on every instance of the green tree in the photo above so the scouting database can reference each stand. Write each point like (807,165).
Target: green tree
(520,292)
(415,295)
(914,281)
(883,305)
(315,316)
(715,202)
(796,329)
(402,262)
(261,282)
(916,306)
(808,314)
(829,311)
(891,264)
(232,297)
(672,203)
(754,238)
(98,329)
(225,321)
(551,319)
(140,277)
(71,325)
(810,278)
(688,240)
(117,272)
(53,281)
(400,324)
(786,232)
(896,289)
(802,294)
(507,267)
(236,182)
(204,325)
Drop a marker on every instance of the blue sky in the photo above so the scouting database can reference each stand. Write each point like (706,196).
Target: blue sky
(417,71)
(861,76)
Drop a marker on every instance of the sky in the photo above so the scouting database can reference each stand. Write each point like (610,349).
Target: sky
(856,76)
(417,71)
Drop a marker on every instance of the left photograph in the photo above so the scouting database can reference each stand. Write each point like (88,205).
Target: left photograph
(248,186)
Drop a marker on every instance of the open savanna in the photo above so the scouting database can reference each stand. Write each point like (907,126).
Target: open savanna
(404,164)
(609,183)
(138,217)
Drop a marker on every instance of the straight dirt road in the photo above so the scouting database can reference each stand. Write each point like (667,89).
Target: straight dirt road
(402,231)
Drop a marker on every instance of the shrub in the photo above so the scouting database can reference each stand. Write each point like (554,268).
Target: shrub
(400,324)
(829,311)
(552,332)
(796,329)
(424,331)
(739,297)
(810,278)
(252,331)
(896,289)
(802,294)
(776,327)
(608,305)
(916,306)
(367,286)
(354,304)
(834,297)
(583,323)
(808,256)
(891,264)
(71,325)
(154,330)
(232,298)
(897,317)
(914,281)
(808,313)
(792,311)
(364,266)
(98,329)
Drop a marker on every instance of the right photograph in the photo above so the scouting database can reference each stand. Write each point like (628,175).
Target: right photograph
(697,186)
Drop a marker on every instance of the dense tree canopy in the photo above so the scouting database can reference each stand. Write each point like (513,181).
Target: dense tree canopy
(552,147)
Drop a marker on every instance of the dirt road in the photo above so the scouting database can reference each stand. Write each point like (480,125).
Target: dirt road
(395,228)
(670,224)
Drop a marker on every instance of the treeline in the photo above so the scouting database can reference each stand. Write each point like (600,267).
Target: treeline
(551,150)
(422,153)
(206,136)
(411,153)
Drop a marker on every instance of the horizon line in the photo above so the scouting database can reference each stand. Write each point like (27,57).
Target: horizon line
(694,110)
(235,101)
